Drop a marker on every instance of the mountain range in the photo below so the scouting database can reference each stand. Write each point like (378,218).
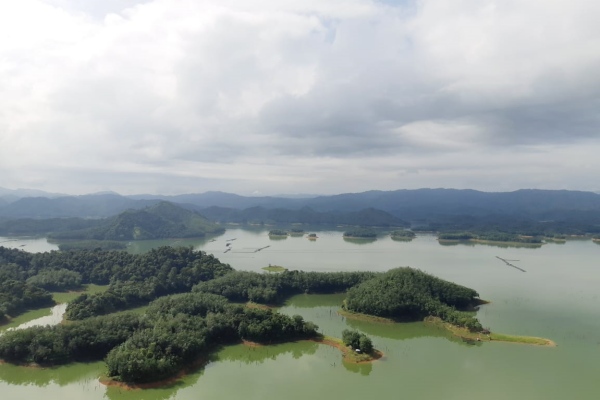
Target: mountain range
(404,204)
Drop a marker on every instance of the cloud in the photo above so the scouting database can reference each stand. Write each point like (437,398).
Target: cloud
(236,95)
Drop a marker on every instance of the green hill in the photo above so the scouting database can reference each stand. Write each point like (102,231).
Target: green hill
(162,220)
(410,294)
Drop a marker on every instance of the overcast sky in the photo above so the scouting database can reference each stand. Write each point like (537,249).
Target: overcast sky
(299,96)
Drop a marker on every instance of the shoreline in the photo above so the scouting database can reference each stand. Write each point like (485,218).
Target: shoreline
(467,335)
(348,355)
(365,317)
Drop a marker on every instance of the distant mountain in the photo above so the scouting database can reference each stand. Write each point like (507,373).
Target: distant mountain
(227,200)
(10,195)
(423,203)
(32,226)
(87,206)
(162,220)
(408,205)
(411,204)
(305,215)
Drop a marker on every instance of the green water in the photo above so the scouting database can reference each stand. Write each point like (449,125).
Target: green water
(556,298)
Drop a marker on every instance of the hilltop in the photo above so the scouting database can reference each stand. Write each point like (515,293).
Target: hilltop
(162,220)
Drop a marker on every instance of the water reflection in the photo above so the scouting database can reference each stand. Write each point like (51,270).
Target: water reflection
(401,239)
(359,241)
(362,369)
(277,238)
(406,331)
(82,373)
(315,300)
(259,354)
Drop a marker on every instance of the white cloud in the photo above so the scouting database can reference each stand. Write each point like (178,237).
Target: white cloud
(237,94)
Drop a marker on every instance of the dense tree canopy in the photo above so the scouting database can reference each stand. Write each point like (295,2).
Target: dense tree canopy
(410,294)
(357,340)
(363,233)
(272,288)
(133,279)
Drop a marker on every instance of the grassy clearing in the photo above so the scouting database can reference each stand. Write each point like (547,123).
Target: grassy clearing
(274,268)
(464,333)
(501,337)
(364,317)
(65,297)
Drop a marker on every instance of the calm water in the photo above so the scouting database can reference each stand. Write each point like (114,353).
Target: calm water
(556,298)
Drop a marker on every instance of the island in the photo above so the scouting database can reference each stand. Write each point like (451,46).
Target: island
(361,233)
(403,235)
(296,232)
(356,347)
(490,238)
(312,236)
(278,233)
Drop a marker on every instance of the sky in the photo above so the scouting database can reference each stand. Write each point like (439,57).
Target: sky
(264,97)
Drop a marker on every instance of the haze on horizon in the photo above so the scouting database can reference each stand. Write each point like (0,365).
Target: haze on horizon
(298,96)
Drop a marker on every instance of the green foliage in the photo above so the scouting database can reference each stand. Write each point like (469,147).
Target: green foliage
(357,340)
(403,234)
(365,344)
(16,296)
(365,233)
(456,236)
(56,280)
(161,271)
(409,294)
(272,288)
(59,344)
(135,279)
(277,232)
(493,236)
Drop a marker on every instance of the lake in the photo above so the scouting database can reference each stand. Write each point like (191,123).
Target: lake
(556,298)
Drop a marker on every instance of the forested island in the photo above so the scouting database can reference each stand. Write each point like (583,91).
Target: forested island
(196,304)
(489,237)
(278,233)
(360,233)
(403,235)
